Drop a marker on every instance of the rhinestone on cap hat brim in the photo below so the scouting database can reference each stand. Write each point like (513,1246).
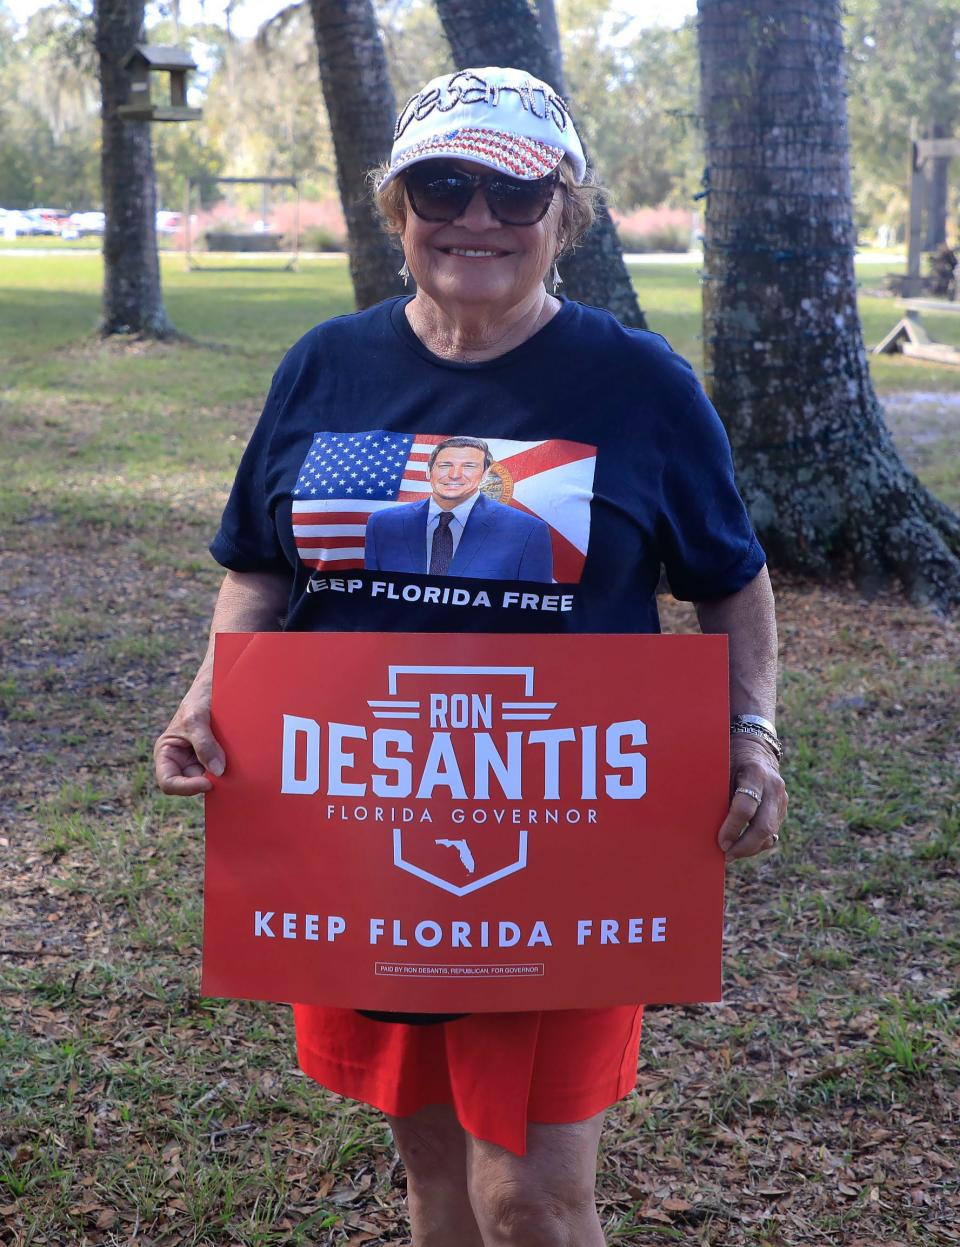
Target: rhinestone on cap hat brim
(512,153)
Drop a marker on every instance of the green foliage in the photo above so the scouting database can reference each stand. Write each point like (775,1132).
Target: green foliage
(180,152)
(634,94)
(902,64)
(416,47)
(49,123)
(263,110)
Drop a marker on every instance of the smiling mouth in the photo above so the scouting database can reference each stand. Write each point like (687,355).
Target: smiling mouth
(474,253)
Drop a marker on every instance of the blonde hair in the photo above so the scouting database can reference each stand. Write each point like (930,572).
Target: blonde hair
(576,217)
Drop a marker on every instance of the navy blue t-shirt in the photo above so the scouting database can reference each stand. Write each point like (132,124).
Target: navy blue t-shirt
(536,492)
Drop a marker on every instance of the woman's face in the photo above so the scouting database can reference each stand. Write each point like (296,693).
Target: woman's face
(513,259)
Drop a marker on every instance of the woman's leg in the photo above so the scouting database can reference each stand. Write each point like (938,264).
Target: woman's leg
(543,1199)
(432,1146)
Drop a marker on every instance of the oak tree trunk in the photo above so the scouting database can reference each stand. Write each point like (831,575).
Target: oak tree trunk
(509,33)
(784,349)
(361,109)
(132,298)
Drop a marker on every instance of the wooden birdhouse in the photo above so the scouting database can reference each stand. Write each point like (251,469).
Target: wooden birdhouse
(146,60)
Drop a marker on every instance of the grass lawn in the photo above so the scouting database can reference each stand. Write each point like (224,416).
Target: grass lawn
(817,1105)
(53,242)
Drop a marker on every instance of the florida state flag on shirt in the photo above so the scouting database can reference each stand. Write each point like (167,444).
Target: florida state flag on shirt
(447,823)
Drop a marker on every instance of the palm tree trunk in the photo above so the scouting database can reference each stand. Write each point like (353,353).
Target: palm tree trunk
(509,32)
(361,109)
(132,298)
(550,33)
(784,348)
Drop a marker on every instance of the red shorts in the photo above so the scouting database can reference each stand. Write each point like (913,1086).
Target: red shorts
(496,1070)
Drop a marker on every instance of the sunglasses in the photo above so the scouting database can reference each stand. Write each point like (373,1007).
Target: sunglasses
(440,191)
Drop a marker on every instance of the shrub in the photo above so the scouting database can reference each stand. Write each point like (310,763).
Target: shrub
(664,238)
(655,229)
(321,238)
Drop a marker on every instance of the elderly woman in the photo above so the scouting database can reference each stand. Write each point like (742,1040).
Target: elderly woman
(418,441)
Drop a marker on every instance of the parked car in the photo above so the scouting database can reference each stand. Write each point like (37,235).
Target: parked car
(169,222)
(85,223)
(38,225)
(14,223)
(47,220)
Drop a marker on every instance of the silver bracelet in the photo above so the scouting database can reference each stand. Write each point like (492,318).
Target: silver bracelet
(756,720)
(761,734)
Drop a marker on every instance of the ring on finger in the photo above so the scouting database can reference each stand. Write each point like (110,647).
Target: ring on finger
(751,792)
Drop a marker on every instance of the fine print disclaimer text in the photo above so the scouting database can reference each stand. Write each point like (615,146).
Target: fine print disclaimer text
(413,969)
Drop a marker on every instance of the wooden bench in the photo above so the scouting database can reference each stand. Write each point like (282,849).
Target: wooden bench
(910,335)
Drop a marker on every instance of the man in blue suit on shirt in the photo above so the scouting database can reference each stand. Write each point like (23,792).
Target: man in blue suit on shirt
(458,531)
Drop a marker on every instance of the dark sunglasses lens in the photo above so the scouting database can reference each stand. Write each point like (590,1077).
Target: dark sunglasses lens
(438,194)
(516,202)
(441,192)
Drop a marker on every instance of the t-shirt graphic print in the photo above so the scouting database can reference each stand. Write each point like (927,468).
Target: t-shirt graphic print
(449,505)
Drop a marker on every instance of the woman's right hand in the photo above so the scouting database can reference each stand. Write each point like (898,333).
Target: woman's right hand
(188,749)
(247,602)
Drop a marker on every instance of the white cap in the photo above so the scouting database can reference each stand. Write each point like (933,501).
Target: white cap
(503,118)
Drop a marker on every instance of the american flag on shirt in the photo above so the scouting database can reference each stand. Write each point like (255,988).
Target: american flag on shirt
(347,476)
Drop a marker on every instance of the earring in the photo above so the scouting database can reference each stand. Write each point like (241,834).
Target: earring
(556,278)
(404,273)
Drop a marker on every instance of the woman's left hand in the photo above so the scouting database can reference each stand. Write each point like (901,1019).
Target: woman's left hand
(751,826)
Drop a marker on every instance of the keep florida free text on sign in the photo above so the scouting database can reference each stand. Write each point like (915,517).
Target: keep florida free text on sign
(462,822)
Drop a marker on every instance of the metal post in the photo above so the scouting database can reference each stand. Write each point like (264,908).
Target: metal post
(186,220)
(296,223)
(913,285)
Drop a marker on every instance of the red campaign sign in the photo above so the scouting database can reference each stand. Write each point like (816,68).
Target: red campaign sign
(460,822)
